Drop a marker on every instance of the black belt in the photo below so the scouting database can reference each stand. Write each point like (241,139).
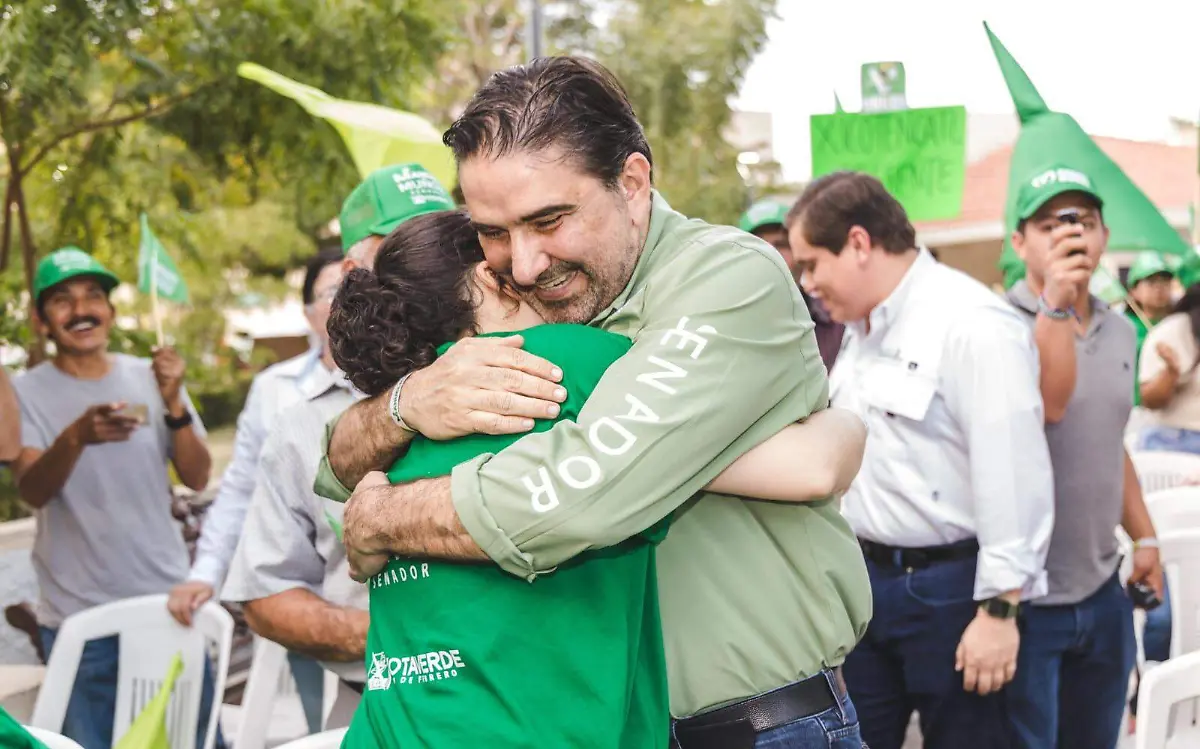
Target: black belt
(735,726)
(357,686)
(918,558)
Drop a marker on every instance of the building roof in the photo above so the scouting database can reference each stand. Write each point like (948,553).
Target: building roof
(1166,173)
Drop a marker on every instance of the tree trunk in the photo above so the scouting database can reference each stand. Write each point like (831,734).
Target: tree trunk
(6,227)
(37,347)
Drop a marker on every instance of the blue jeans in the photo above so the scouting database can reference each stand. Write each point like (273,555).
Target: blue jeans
(1073,672)
(310,686)
(93,703)
(905,662)
(836,728)
(1169,439)
(1156,635)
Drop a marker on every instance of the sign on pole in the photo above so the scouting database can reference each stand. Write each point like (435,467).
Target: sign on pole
(883,87)
(920,155)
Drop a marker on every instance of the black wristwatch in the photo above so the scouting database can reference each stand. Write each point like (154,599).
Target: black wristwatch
(999,608)
(175,423)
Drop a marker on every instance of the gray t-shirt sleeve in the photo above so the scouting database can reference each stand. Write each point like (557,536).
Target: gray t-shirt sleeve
(33,431)
(277,551)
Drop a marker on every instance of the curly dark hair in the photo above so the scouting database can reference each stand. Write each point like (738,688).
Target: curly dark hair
(387,323)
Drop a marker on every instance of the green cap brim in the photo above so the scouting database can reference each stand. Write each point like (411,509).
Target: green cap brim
(1051,193)
(105,278)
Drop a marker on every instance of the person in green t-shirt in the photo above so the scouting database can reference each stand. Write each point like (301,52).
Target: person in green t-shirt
(463,655)
(1149,282)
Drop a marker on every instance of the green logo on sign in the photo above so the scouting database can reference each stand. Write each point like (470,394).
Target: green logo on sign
(883,87)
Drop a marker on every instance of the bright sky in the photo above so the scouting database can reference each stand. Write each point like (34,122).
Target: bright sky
(1120,72)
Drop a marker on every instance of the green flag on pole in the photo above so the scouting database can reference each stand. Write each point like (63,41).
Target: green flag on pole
(1048,138)
(376,136)
(157,273)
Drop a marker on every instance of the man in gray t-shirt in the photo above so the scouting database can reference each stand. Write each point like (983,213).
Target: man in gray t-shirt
(97,432)
(1077,644)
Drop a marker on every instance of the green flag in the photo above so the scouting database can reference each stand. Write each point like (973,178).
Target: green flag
(149,728)
(1048,138)
(376,136)
(156,266)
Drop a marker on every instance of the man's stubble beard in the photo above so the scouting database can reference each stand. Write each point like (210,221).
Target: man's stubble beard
(601,290)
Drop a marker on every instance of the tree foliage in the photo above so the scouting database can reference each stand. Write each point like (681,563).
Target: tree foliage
(113,107)
(681,62)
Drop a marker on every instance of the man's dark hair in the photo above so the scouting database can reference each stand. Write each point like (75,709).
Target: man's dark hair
(573,103)
(387,323)
(317,263)
(832,204)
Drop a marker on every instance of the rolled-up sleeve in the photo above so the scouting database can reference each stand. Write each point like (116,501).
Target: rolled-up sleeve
(277,551)
(995,391)
(327,484)
(720,348)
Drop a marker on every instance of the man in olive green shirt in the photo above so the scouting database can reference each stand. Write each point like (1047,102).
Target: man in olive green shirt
(756,597)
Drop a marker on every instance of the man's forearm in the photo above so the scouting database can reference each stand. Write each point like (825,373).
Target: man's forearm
(365,439)
(410,520)
(191,458)
(40,479)
(10,420)
(1135,518)
(300,620)
(1056,355)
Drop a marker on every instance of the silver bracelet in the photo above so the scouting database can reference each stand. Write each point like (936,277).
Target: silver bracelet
(394,405)
(1149,542)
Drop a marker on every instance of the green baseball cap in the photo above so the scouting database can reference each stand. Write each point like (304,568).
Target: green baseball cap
(66,263)
(1145,265)
(1050,183)
(763,213)
(387,198)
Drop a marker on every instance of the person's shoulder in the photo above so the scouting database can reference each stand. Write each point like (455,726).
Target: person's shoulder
(566,344)
(701,249)
(1123,328)
(567,337)
(288,368)
(32,379)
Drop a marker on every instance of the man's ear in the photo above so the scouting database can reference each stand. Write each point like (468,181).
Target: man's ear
(858,241)
(1018,243)
(634,181)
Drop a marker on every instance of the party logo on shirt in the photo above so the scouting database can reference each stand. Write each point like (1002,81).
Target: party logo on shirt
(436,665)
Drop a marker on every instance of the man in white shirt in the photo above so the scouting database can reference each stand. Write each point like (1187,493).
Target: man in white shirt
(273,390)
(954,503)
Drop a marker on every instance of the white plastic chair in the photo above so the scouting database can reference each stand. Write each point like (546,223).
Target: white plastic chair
(271,703)
(1163,470)
(323,740)
(150,638)
(1174,684)
(1180,554)
(1176,509)
(52,740)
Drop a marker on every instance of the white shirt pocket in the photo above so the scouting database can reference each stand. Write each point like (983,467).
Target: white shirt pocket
(899,389)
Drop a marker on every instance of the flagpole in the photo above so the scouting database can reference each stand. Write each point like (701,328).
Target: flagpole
(154,312)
